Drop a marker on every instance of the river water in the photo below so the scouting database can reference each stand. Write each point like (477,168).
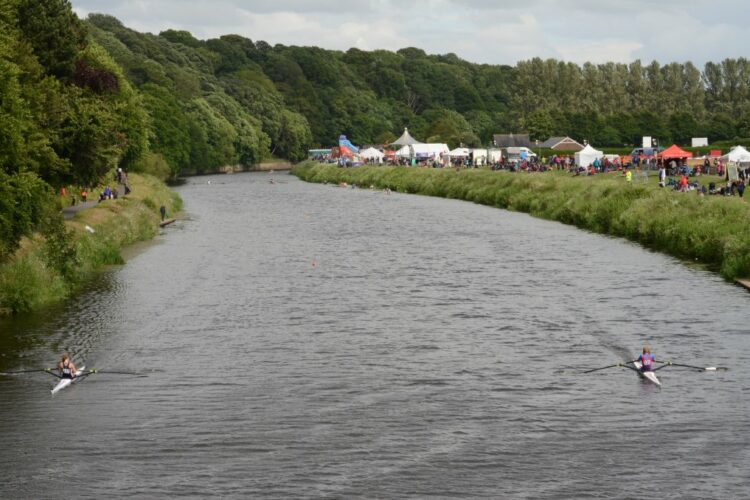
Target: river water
(303,340)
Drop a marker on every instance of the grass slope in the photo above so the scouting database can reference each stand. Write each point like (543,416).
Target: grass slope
(29,282)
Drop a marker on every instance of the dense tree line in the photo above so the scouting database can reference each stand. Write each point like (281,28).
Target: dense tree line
(67,115)
(308,95)
(80,98)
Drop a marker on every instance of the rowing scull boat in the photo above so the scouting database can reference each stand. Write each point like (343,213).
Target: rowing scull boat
(65,382)
(650,375)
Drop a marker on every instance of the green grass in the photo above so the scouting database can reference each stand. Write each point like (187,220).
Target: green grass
(29,283)
(712,230)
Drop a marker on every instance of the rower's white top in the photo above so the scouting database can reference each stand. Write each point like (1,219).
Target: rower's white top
(63,383)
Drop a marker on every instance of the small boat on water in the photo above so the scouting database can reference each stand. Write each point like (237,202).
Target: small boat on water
(650,375)
(65,382)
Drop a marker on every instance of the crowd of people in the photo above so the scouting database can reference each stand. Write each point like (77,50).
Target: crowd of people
(673,173)
(107,193)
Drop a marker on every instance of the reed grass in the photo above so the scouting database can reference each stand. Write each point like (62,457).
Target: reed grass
(712,230)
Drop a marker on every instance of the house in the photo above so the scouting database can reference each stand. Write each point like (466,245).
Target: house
(511,140)
(562,144)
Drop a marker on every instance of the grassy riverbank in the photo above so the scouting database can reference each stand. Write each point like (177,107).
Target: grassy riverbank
(713,230)
(48,269)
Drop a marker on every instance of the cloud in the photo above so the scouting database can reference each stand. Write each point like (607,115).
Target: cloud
(485,31)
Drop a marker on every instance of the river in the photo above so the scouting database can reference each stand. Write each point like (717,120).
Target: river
(302,340)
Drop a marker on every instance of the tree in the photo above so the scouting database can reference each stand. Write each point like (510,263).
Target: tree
(721,127)
(55,33)
(181,37)
(89,139)
(540,125)
(24,200)
(212,137)
(169,132)
(295,137)
(448,126)
(682,127)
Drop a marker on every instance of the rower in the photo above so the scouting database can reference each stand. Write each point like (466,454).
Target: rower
(66,367)
(646,359)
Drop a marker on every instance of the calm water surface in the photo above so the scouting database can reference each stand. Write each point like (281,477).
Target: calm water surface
(310,341)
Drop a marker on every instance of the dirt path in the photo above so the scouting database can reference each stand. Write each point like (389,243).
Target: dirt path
(70,211)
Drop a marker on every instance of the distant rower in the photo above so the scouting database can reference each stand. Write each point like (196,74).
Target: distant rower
(646,359)
(66,367)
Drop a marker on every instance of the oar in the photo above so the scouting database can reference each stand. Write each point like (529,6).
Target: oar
(108,372)
(26,371)
(605,367)
(701,368)
(46,370)
(96,370)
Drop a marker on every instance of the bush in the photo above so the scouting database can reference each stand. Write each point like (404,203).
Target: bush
(153,164)
(25,200)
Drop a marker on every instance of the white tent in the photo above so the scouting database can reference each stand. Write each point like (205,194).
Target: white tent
(737,154)
(372,154)
(480,156)
(406,139)
(495,155)
(459,153)
(423,151)
(587,155)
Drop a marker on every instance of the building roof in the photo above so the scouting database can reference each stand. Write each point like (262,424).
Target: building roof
(511,140)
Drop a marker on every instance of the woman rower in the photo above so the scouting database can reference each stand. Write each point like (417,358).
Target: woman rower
(66,367)
(646,359)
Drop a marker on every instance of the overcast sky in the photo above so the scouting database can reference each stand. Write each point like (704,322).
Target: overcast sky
(484,31)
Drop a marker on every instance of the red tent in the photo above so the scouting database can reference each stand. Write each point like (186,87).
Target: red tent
(674,151)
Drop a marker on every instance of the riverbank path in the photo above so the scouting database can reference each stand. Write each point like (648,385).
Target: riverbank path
(70,211)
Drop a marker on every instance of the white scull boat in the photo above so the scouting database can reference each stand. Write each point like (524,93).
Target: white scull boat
(65,382)
(650,376)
